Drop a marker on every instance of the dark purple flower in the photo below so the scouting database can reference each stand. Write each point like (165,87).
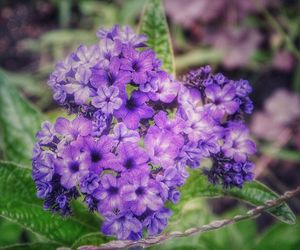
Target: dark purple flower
(142,193)
(243,88)
(71,167)
(133,110)
(43,166)
(89,183)
(157,221)
(133,158)
(138,63)
(97,154)
(110,75)
(101,123)
(109,194)
(191,154)
(43,189)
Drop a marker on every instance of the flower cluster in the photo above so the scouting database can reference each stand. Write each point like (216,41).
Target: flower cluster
(213,107)
(135,132)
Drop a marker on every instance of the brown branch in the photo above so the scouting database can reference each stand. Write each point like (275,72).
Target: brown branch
(147,242)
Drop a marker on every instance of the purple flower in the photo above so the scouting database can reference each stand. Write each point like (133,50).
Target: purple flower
(79,87)
(123,225)
(89,183)
(222,99)
(237,144)
(59,93)
(63,68)
(107,99)
(108,33)
(72,167)
(80,126)
(110,75)
(97,154)
(142,193)
(133,158)
(243,88)
(128,36)
(43,189)
(138,63)
(133,110)
(175,125)
(86,57)
(101,123)
(229,173)
(47,134)
(167,89)
(157,221)
(123,134)
(162,146)
(189,98)
(191,154)
(151,85)
(209,145)
(174,195)
(43,166)
(199,124)
(109,194)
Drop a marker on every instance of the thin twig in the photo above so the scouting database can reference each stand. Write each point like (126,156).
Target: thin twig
(150,241)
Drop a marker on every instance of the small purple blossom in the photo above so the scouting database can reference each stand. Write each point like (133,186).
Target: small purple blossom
(123,134)
(141,193)
(133,158)
(107,99)
(237,144)
(222,100)
(72,167)
(138,64)
(124,226)
(133,110)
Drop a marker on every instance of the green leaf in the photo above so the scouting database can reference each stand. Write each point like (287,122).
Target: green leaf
(254,193)
(31,246)
(19,122)
(154,25)
(19,204)
(280,236)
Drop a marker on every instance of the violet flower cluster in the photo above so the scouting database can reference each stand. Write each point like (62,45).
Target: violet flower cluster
(136,131)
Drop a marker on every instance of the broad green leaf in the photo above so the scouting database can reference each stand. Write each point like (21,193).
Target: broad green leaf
(95,239)
(254,193)
(280,236)
(19,122)
(154,25)
(31,246)
(19,204)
